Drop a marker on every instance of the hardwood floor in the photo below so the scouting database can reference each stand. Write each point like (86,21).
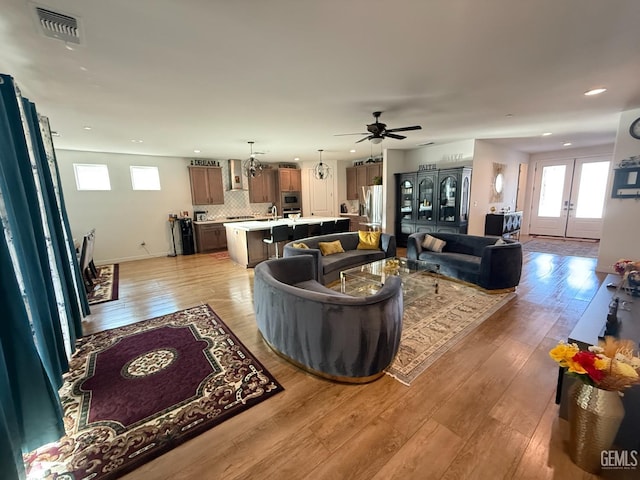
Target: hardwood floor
(484,410)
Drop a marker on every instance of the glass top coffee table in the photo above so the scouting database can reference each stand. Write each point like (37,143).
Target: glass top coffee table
(418,277)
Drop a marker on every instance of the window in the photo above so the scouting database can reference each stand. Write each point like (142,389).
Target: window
(145,178)
(91,177)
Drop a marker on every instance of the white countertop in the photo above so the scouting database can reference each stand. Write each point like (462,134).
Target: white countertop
(255,225)
(222,220)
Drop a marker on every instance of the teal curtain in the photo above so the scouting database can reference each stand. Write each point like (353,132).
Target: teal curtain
(42,294)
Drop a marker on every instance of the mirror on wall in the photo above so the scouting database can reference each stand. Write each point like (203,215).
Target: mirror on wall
(497,183)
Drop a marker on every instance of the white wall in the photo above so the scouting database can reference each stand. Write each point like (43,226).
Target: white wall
(124,218)
(621,227)
(484,156)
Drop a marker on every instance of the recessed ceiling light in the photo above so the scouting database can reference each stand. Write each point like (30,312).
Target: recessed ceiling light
(296,159)
(546,134)
(567,144)
(595,91)
(87,127)
(196,151)
(509,115)
(353,150)
(84,69)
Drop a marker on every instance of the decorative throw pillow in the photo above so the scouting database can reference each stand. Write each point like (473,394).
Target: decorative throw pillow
(500,241)
(300,245)
(329,248)
(432,243)
(368,240)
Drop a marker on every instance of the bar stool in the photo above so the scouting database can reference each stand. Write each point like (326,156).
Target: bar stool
(279,233)
(300,231)
(328,227)
(343,225)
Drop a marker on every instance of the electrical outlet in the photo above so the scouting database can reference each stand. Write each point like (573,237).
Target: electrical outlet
(143,243)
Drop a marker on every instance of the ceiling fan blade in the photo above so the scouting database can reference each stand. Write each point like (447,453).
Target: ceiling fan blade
(405,129)
(343,134)
(393,135)
(365,138)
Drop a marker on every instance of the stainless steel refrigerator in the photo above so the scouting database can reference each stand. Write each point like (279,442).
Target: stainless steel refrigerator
(372,200)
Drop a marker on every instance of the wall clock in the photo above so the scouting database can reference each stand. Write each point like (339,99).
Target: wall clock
(634,129)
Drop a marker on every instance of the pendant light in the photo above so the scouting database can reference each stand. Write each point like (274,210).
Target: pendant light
(252,167)
(321,170)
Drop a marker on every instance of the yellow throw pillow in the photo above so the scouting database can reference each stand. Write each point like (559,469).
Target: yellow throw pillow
(329,248)
(300,245)
(368,240)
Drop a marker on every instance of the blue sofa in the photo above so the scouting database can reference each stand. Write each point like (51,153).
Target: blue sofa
(472,258)
(328,333)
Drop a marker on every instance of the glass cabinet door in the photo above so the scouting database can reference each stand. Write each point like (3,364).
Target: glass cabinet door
(448,187)
(406,200)
(425,199)
(464,202)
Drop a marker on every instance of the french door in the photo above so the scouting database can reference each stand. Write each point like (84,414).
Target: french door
(568,197)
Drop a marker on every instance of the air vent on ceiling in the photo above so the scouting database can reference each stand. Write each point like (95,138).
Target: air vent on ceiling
(58,25)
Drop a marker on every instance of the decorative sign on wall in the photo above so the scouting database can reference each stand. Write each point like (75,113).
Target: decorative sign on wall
(204,162)
(427,166)
(452,157)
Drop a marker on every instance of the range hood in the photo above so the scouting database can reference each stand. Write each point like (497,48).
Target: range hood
(236,177)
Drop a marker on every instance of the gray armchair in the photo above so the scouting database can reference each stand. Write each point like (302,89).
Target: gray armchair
(336,336)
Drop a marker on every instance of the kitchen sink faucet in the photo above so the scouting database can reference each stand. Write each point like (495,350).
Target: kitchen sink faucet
(274,212)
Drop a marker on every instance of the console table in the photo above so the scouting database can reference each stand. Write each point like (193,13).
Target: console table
(506,224)
(586,333)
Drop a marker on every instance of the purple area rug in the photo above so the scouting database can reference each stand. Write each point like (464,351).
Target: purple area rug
(134,392)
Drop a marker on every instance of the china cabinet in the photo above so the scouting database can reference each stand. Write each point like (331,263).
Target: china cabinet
(432,201)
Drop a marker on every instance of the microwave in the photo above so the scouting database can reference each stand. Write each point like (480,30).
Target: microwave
(290,201)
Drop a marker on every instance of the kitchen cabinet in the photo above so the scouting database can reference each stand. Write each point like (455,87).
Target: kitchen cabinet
(262,189)
(361,176)
(290,180)
(355,222)
(432,201)
(352,183)
(373,171)
(210,237)
(206,185)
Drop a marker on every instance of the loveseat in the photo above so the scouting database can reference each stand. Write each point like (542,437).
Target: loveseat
(328,267)
(472,258)
(337,336)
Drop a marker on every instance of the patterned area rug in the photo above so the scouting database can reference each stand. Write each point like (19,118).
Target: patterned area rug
(106,285)
(135,392)
(568,248)
(433,323)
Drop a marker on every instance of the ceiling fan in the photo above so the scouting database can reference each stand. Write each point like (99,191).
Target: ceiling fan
(378,131)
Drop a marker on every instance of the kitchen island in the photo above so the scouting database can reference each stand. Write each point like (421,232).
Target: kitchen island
(244,239)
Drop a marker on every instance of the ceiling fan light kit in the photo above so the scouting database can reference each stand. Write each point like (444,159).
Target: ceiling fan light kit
(378,131)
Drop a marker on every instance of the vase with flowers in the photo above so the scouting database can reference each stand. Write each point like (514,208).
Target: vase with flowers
(595,409)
